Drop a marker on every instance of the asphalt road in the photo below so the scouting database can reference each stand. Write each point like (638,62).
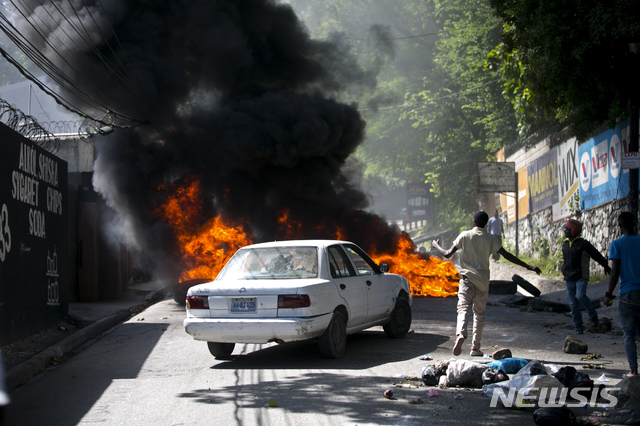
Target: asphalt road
(148,371)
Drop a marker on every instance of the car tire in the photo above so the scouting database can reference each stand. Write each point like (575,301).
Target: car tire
(333,341)
(526,285)
(221,350)
(400,319)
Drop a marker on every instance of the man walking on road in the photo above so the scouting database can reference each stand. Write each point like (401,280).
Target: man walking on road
(623,254)
(476,245)
(576,252)
(495,227)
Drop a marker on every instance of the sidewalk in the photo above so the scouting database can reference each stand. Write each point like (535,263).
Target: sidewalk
(93,319)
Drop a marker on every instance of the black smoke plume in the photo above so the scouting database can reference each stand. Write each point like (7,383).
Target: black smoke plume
(237,93)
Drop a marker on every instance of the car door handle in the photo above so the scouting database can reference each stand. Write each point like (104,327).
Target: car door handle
(368,282)
(342,286)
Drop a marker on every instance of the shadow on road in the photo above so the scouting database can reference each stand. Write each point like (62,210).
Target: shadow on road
(366,349)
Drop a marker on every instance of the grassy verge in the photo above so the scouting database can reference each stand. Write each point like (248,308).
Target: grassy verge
(548,265)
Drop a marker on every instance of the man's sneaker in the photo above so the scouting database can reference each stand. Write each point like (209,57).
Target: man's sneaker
(457,348)
(476,352)
(594,322)
(580,331)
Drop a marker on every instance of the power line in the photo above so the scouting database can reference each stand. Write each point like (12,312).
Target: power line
(406,105)
(59,76)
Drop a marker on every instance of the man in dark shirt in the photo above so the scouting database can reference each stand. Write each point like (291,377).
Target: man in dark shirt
(577,253)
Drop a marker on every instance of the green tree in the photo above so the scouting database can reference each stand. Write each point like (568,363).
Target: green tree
(438,107)
(462,108)
(9,74)
(569,59)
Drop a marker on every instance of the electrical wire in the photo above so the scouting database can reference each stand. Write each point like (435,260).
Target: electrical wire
(63,79)
(87,40)
(406,105)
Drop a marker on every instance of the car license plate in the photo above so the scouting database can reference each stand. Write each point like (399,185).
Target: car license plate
(243,304)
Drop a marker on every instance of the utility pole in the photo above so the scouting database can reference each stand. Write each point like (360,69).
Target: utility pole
(634,107)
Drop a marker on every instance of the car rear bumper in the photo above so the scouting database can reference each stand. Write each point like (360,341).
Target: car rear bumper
(256,330)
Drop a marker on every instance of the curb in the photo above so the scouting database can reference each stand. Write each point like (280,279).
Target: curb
(22,373)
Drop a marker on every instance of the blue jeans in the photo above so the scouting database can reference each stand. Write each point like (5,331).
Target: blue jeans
(630,320)
(577,295)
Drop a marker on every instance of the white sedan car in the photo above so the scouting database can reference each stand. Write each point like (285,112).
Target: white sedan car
(295,290)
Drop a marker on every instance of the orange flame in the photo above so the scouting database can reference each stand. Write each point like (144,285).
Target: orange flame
(205,249)
(427,277)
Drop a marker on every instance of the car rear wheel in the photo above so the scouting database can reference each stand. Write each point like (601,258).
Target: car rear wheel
(333,341)
(221,350)
(400,320)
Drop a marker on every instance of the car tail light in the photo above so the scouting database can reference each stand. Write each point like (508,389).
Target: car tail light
(197,302)
(293,301)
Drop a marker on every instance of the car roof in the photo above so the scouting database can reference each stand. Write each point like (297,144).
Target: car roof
(298,243)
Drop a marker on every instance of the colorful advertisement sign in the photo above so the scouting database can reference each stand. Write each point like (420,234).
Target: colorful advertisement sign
(419,202)
(542,178)
(523,198)
(568,179)
(602,178)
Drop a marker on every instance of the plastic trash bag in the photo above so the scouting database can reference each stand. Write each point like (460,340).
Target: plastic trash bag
(526,387)
(554,416)
(571,378)
(508,365)
(492,376)
(432,373)
(465,373)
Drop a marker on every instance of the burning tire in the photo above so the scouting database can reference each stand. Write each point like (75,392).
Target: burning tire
(400,320)
(221,350)
(333,341)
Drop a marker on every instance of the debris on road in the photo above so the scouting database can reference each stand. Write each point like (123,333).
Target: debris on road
(573,345)
(502,354)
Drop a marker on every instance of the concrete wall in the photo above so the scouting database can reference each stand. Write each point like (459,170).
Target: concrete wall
(539,235)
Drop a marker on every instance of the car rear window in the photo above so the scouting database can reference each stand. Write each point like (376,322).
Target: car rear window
(271,263)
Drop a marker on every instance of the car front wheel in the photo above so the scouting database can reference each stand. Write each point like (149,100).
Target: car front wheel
(221,350)
(333,341)
(400,319)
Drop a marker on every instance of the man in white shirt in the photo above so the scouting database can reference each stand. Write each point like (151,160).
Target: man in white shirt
(476,245)
(495,227)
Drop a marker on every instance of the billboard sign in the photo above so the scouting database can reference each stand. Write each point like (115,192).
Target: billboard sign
(542,177)
(631,160)
(496,177)
(419,202)
(602,177)
(568,178)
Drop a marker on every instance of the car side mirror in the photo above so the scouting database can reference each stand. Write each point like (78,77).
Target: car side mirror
(384,268)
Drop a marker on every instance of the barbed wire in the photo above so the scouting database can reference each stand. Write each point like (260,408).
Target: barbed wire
(63,127)
(28,126)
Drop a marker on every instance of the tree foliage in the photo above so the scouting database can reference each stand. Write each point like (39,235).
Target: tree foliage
(570,58)
(438,107)
(9,74)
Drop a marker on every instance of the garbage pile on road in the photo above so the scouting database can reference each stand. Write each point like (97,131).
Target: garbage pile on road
(552,391)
